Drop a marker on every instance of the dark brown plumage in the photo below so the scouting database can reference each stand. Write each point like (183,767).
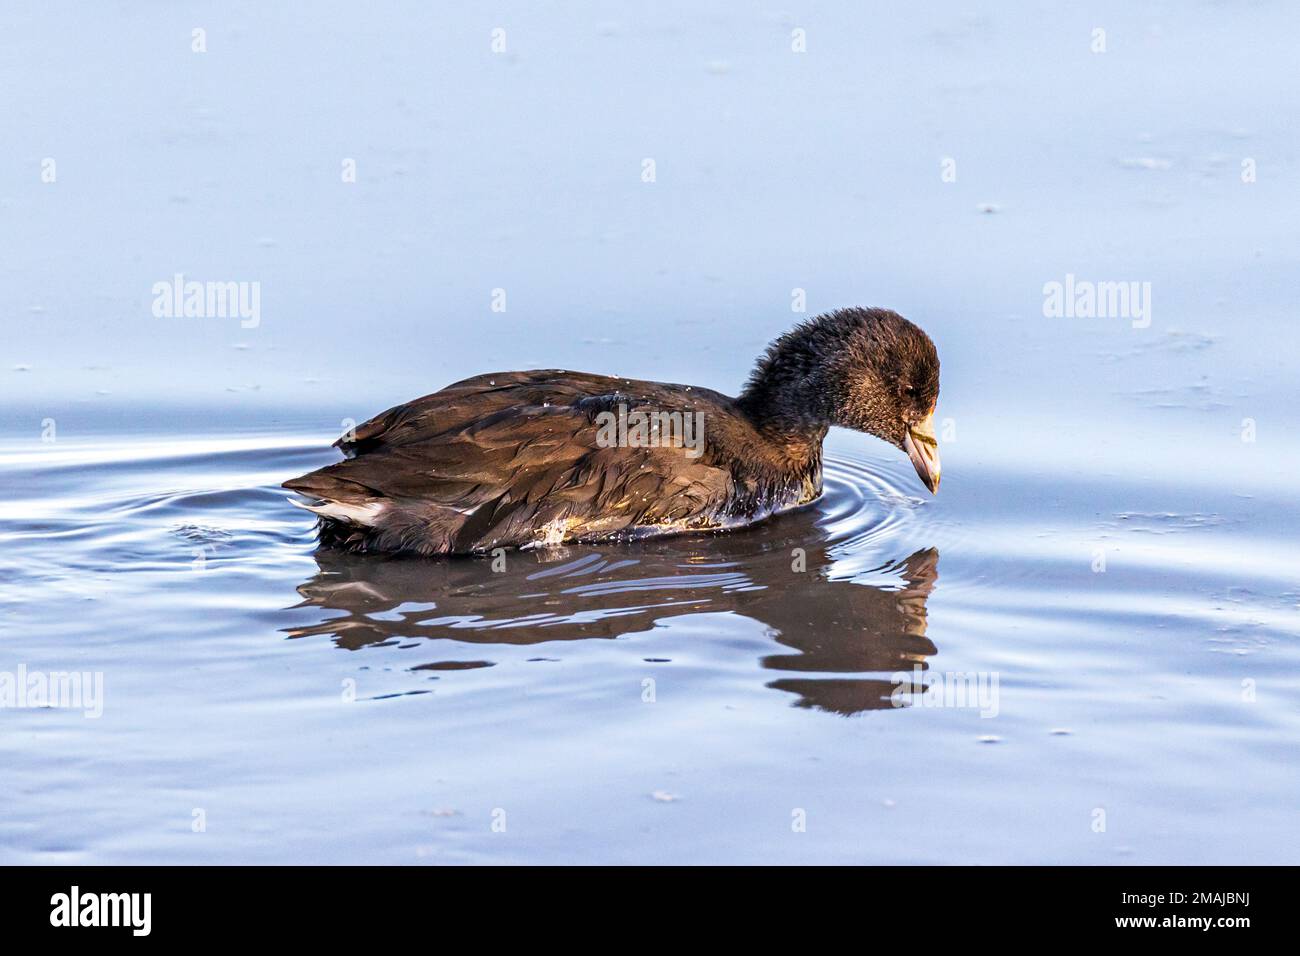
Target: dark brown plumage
(519,459)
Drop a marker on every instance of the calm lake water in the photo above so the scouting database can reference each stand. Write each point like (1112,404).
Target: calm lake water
(1085,649)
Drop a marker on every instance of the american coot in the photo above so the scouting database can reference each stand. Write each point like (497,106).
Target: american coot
(521,459)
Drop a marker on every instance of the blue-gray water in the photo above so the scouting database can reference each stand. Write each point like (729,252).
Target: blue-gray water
(1113,542)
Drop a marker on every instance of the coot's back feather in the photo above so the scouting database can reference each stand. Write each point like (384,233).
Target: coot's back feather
(512,460)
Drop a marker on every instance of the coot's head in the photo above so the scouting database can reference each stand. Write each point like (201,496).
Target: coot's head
(866,369)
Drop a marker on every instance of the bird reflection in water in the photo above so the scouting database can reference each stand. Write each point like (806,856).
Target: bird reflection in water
(867,626)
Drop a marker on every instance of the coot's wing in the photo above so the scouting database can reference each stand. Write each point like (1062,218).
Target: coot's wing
(512,460)
(469,401)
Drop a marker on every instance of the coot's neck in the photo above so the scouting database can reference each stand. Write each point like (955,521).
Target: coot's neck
(791,394)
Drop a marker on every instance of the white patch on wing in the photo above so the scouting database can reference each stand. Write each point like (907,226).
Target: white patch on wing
(364,513)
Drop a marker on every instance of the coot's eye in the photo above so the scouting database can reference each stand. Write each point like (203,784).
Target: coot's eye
(910,391)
